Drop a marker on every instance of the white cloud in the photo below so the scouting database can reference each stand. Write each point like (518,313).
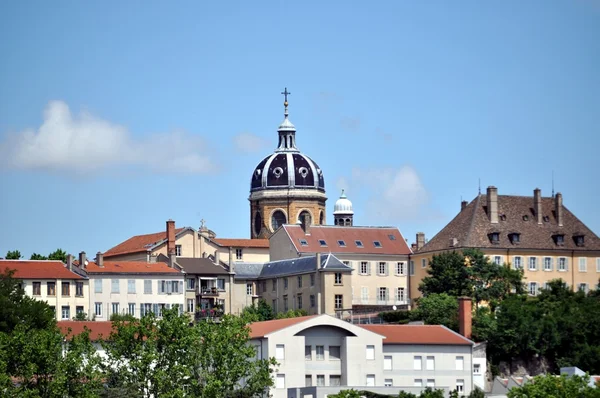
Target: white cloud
(393,195)
(249,143)
(85,144)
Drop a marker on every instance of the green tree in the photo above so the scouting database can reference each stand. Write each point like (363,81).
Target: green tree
(431,393)
(58,254)
(437,309)
(257,313)
(80,316)
(36,256)
(351,393)
(476,393)
(447,273)
(13,255)
(556,387)
(291,314)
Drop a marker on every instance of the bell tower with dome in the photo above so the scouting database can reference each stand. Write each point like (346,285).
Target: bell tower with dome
(286,186)
(343,215)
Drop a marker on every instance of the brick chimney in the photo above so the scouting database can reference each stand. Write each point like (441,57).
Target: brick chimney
(70,262)
(82,260)
(465,316)
(420,240)
(492,204)
(558,203)
(170,237)
(305,223)
(537,204)
(463,204)
(100,259)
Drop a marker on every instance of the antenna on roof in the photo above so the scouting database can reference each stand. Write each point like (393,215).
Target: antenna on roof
(552,183)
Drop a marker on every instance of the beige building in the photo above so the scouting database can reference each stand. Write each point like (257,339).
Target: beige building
(534,233)
(62,286)
(378,257)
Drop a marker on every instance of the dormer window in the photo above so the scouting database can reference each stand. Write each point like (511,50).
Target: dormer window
(377,243)
(514,237)
(322,243)
(579,240)
(392,237)
(341,243)
(559,239)
(303,242)
(358,243)
(494,238)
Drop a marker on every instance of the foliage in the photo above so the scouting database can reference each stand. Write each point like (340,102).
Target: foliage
(80,316)
(122,317)
(13,255)
(257,313)
(484,324)
(36,256)
(400,316)
(476,393)
(351,393)
(291,314)
(437,309)
(556,387)
(58,254)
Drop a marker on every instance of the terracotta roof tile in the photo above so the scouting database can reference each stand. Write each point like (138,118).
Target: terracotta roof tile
(130,267)
(418,334)
(471,227)
(260,243)
(98,330)
(391,240)
(139,243)
(37,269)
(261,329)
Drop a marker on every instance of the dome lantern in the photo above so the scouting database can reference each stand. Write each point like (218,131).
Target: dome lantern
(343,214)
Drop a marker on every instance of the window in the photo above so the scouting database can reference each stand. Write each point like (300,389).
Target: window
(498,260)
(560,239)
(190,283)
(338,301)
(548,264)
(79,310)
(430,363)
(377,244)
(514,237)
(299,281)
(460,386)
(190,305)
(337,278)
(460,363)
(115,308)
(303,242)
(79,289)
(411,270)
(387,362)
(358,243)
(476,368)
(322,243)
(312,301)
(65,289)
(334,352)
(285,303)
(280,383)
(131,286)
(300,301)
(308,381)
(400,268)
(383,295)
(423,263)
(66,312)
(320,352)
(533,288)
(274,283)
(98,309)
(382,268)
(431,383)
(388,383)
(307,353)
(131,309)
(517,262)
(335,380)
(400,294)
(364,268)
(312,279)
(370,380)
(532,264)
(582,287)
(582,264)
(579,241)
(418,363)
(249,289)
(51,287)
(280,351)
(239,254)
(562,264)
(274,305)
(37,288)
(494,238)
(178,250)
(285,283)
(364,294)
(320,380)
(114,286)
(341,243)
(370,352)
(277,220)
(418,383)
(221,284)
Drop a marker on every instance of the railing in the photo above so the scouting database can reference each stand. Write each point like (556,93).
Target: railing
(208,291)
(214,314)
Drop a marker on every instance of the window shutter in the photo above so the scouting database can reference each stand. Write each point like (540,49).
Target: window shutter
(566,263)
(368,268)
(387,269)
(552,263)
(181,286)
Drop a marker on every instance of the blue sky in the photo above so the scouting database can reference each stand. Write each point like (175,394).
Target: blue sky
(116,116)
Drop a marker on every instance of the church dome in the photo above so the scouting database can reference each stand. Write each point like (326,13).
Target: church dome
(343,205)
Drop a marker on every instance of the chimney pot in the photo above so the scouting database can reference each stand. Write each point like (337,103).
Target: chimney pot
(559,208)
(100,259)
(70,262)
(463,204)
(537,204)
(465,316)
(170,237)
(82,259)
(492,204)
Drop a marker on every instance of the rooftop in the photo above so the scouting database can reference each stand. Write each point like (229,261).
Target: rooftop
(140,243)
(99,330)
(130,267)
(38,269)
(244,243)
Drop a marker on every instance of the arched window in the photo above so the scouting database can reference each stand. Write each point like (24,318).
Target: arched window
(257,223)
(322,218)
(277,220)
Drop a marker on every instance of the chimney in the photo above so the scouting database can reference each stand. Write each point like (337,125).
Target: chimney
(170,237)
(464,316)
(216,256)
(305,223)
(537,204)
(559,209)
(420,240)
(492,204)
(318,259)
(100,259)
(463,204)
(70,262)
(82,260)
(231,265)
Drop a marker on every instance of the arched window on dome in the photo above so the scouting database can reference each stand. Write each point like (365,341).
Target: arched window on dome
(277,220)
(303,215)
(322,218)
(257,223)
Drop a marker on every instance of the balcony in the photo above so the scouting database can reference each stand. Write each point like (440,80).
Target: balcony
(213,314)
(208,291)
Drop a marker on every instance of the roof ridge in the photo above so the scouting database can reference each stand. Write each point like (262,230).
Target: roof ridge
(471,225)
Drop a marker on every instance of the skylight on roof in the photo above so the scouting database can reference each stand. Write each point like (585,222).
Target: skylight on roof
(322,242)
(392,237)
(376,243)
(358,243)
(341,243)
(303,242)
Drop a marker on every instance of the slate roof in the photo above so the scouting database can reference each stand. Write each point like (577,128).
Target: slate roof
(141,243)
(471,227)
(38,269)
(391,240)
(293,266)
(259,243)
(202,266)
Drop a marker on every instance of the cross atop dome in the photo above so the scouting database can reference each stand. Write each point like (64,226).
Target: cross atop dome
(285,102)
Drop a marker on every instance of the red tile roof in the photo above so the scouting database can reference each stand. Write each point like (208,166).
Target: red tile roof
(98,330)
(130,267)
(260,243)
(139,243)
(391,240)
(261,329)
(38,269)
(418,334)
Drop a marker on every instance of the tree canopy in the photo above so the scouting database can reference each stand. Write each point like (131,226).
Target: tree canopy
(556,387)
(13,255)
